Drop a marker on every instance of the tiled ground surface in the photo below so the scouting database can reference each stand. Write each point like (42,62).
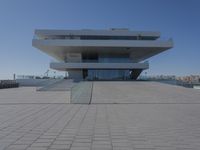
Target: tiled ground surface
(142,92)
(30,95)
(102,126)
(46,125)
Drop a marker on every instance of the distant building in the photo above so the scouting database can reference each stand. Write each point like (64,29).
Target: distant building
(100,54)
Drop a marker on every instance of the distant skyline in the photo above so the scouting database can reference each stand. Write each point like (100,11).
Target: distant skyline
(174,19)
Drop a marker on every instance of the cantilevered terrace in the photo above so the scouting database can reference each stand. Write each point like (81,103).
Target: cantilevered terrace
(100,54)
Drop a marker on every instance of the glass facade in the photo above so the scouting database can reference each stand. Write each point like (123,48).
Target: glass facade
(103,74)
(108,74)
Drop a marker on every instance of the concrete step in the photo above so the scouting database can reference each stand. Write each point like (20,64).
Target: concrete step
(61,85)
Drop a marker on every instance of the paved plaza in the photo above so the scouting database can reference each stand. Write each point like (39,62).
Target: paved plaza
(121,116)
(142,92)
(24,95)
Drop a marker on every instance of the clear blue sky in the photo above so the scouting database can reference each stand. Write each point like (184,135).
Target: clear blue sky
(179,19)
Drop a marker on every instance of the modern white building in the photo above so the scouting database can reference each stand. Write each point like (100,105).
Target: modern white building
(115,54)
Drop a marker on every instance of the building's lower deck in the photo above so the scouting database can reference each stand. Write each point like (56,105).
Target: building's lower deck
(101,71)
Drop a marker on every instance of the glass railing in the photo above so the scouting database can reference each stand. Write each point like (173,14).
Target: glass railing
(134,38)
(164,39)
(8,84)
(81,93)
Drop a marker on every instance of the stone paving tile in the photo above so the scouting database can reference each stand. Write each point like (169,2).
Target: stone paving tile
(36,148)
(60,147)
(80,148)
(17,147)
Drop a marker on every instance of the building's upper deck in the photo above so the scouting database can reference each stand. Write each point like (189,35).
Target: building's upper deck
(87,34)
(139,45)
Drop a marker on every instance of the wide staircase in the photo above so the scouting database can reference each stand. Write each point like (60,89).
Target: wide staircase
(81,92)
(60,85)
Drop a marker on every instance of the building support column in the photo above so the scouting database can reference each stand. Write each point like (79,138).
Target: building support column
(135,73)
(77,75)
(85,73)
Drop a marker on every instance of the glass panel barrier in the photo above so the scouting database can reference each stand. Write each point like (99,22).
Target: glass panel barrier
(81,93)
